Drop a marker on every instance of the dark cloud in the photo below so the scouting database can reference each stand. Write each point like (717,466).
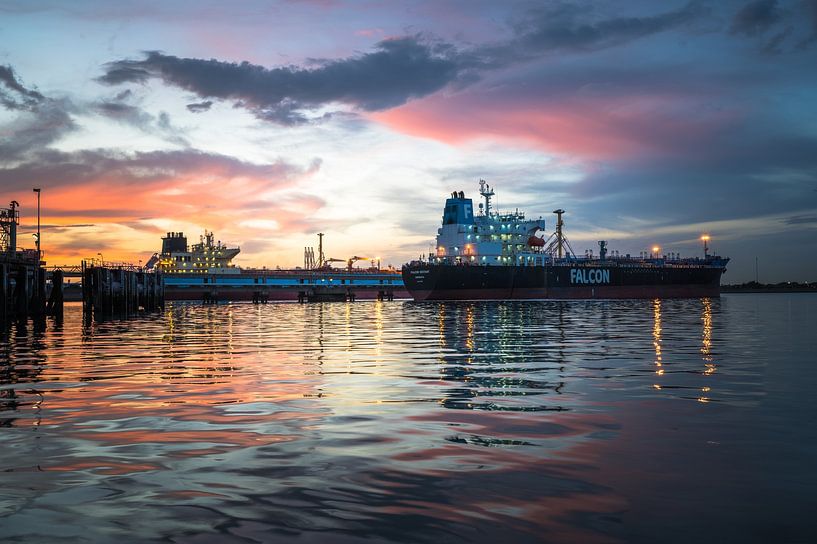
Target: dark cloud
(573,27)
(126,113)
(396,71)
(120,72)
(75,168)
(137,117)
(15,96)
(36,129)
(200,106)
(40,120)
(802,220)
(730,174)
(756,17)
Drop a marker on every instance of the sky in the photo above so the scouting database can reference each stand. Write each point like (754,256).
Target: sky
(651,123)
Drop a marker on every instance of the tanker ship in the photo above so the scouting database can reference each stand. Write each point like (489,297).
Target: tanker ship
(491,255)
(205,271)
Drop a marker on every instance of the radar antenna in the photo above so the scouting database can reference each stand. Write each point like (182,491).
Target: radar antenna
(486,191)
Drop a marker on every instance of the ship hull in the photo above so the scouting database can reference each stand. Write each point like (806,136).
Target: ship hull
(284,285)
(235,294)
(463,282)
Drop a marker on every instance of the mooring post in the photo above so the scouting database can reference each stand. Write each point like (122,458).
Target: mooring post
(54,307)
(21,294)
(38,300)
(86,288)
(4,305)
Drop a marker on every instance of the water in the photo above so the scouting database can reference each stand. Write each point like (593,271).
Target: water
(581,421)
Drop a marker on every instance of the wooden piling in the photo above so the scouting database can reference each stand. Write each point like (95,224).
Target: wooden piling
(54,306)
(120,292)
(4,294)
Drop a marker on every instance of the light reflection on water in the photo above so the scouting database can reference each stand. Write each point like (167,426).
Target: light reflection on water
(561,420)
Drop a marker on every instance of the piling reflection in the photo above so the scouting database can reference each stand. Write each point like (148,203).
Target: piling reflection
(371,419)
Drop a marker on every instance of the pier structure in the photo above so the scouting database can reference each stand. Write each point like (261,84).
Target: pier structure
(320,293)
(119,290)
(22,276)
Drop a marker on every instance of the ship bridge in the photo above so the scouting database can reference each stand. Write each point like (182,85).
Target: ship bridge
(489,238)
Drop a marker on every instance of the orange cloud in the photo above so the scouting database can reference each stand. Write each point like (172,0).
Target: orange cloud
(124,203)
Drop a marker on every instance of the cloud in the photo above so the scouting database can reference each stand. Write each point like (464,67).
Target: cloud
(756,17)
(122,112)
(200,107)
(141,168)
(133,193)
(396,71)
(19,97)
(575,27)
(664,144)
(37,128)
(802,220)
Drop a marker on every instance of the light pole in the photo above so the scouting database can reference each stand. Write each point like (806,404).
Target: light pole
(39,256)
(705,239)
(101,260)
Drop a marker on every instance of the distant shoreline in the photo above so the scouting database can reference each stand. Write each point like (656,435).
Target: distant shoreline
(787,287)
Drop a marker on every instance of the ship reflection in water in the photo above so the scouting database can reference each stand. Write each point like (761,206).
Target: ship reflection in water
(561,421)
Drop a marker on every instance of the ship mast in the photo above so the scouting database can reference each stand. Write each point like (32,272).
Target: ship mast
(559,235)
(321,261)
(486,191)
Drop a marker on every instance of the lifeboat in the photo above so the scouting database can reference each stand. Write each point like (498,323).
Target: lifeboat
(535,241)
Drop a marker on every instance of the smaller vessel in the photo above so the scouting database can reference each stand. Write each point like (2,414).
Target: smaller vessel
(206,257)
(205,271)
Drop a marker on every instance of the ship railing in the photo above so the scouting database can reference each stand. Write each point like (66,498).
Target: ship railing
(119,265)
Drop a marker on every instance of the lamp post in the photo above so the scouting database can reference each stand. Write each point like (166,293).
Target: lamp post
(705,239)
(101,260)
(39,255)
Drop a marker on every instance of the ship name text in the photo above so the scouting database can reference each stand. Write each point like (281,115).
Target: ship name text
(589,275)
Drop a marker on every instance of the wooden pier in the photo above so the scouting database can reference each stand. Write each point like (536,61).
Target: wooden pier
(119,291)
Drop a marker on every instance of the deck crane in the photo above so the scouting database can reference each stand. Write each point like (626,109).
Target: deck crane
(352,260)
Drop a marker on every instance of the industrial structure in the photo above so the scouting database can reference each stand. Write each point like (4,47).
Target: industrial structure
(22,277)
(30,290)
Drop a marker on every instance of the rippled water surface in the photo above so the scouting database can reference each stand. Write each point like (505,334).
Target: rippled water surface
(598,421)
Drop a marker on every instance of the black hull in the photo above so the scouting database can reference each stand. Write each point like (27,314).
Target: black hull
(560,281)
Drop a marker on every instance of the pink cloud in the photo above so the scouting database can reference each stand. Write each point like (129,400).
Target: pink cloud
(583,127)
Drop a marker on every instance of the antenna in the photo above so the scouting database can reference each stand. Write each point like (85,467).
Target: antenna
(486,191)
